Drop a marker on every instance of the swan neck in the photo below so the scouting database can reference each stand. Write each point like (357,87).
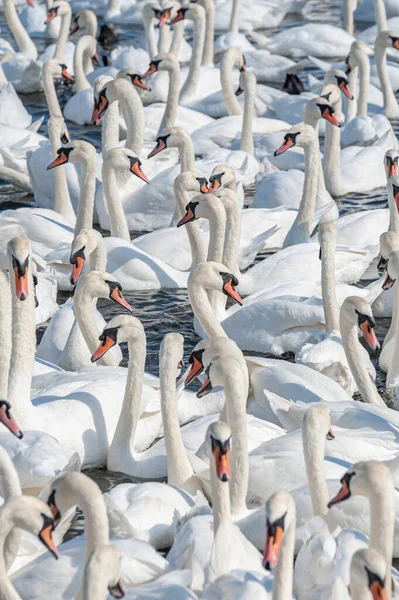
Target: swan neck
(5,346)
(164,39)
(186,156)
(7,527)
(208,52)
(51,94)
(169,116)
(203,311)
(328,289)
(393,371)
(21,36)
(190,85)
(63,36)
(349,7)
(380,14)
(80,55)
(233,233)
(96,522)
(247,140)
(390,102)
(62,199)
(332,153)
(178,32)
(364,83)
(226,79)
(393,211)
(313,450)
(134,113)
(110,128)
(84,217)
(195,238)
(382,523)
(233,26)
(283,578)
(117,218)
(217,230)
(150,36)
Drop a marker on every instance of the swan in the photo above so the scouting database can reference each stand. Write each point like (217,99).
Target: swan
(170,502)
(367,574)
(233,15)
(384,40)
(392,275)
(141,562)
(79,107)
(325,352)
(102,574)
(63,50)
(122,455)
(315,39)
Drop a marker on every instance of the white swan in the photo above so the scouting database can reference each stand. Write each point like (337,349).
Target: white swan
(315,39)
(79,107)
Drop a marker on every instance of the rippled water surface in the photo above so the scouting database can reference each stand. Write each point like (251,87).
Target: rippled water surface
(168,311)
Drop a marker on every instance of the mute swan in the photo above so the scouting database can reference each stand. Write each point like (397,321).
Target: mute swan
(367,575)
(141,562)
(392,375)
(102,574)
(316,39)
(63,50)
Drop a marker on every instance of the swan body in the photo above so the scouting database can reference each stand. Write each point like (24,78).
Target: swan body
(322,41)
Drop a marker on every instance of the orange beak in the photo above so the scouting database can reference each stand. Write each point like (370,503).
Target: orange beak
(138,82)
(213,186)
(119,299)
(284,147)
(195,369)
(105,345)
(396,44)
(188,217)
(222,462)
(74,28)
(77,268)
(8,421)
(99,111)
(164,18)
(158,148)
(232,292)
(204,188)
(136,169)
(330,117)
(378,591)
(343,86)
(46,538)
(50,16)
(342,495)
(31,3)
(272,549)
(60,160)
(66,75)
(369,335)
(21,284)
(151,69)
(178,17)
(205,388)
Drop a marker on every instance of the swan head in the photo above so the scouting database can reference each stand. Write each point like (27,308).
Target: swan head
(134,78)
(175,137)
(357,311)
(317,421)
(77,151)
(247,81)
(205,350)
(300,135)
(85,243)
(215,276)
(387,39)
(8,420)
(389,242)
(320,108)
(123,159)
(190,181)
(367,571)
(358,52)
(98,284)
(201,206)
(365,478)
(56,69)
(102,572)
(234,56)
(122,328)
(222,368)
(280,515)
(58,9)
(19,255)
(84,19)
(35,516)
(219,444)
(391,160)
(338,77)
(192,12)
(88,45)
(162,62)
(56,129)
(222,175)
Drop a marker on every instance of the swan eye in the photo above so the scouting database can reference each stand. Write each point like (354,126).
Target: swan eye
(365,319)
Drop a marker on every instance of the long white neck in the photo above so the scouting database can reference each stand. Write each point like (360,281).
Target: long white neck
(189,88)
(230,60)
(149,33)
(364,84)
(232,208)
(123,440)
(117,217)
(207,55)
(313,450)
(62,199)
(169,116)
(328,239)
(217,230)
(178,32)
(64,34)
(84,217)
(382,522)
(301,228)
(393,210)
(5,332)
(22,354)
(349,7)
(164,39)
(391,108)
(179,468)
(110,128)
(380,15)
(284,573)
(247,140)
(203,311)
(351,106)
(332,152)
(82,51)
(353,348)
(49,91)
(21,36)
(393,371)
(84,306)
(236,392)
(8,591)
(220,498)
(133,112)
(195,237)
(186,154)
(233,26)
(10,487)
(98,258)
(96,519)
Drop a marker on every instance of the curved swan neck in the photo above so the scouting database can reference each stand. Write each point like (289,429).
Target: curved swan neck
(391,108)
(10,487)
(117,217)
(123,440)
(64,33)
(5,337)
(233,26)
(231,59)
(7,527)
(283,577)
(84,217)
(247,140)
(352,347)
(203,311)
(179,468)
(21,36)
(134,113)
(301,228)
(190,85)
(96,521)
(380,14)
(186,154)
(195,237)
(50,93)
(328,239)
(149,34)
(208,52)
(393,371)
(82,51)
(332,152)
(169,116)
(62,199)
(233,231)
(351,106)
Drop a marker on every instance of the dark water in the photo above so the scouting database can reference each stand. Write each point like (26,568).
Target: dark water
(169,311)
